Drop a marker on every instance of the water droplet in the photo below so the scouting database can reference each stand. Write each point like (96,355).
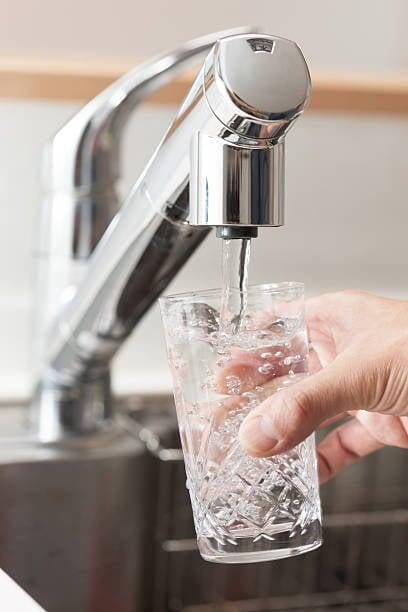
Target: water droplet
(266,368)
(261,335)
(266,355)
(279,354)
(279,323)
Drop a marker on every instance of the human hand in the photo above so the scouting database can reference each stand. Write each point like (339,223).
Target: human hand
(359,367)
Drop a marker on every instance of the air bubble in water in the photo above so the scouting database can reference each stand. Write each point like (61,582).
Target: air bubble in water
(279,354)
(266,368)
(266,355)
(233,384)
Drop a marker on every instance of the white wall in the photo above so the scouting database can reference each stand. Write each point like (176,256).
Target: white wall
(347,185)
(349,34)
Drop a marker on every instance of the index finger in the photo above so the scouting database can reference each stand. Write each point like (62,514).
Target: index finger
(248,369)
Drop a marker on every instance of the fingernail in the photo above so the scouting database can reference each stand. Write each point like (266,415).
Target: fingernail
(255,435)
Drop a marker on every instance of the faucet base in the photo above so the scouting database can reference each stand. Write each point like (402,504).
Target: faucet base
(59,412)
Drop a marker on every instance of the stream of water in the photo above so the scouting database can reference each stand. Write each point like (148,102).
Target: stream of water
(235,270)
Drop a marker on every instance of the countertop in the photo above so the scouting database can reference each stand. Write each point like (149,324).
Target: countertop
(13,598)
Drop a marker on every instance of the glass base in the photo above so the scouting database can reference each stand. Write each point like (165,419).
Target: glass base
(255,557)
(246,550)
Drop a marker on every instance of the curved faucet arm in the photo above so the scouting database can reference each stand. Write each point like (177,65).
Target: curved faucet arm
(84,154)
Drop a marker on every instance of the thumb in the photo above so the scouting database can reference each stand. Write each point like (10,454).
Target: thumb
(290,415)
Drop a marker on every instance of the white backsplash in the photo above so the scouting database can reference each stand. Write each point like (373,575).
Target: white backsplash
(340,35)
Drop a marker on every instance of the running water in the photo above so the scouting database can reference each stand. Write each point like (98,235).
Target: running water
(235,267)
(226,360)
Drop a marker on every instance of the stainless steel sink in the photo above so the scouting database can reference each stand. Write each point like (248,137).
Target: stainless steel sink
(75,517)
(103,523)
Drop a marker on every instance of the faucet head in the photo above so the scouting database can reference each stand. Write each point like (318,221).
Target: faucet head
(256,86)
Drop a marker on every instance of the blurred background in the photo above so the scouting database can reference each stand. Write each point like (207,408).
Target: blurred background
(346,227)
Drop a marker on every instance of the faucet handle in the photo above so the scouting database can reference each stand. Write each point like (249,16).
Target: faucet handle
(257,84)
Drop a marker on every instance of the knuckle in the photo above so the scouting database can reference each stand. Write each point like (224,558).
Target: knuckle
(393,436)
(401,439)
(397,353)
(358,299)
(349,453)
(353,293)
(326,466)
(297,403)
(343,293)
(404,432)
(350,296)
(344,297)
(389,380)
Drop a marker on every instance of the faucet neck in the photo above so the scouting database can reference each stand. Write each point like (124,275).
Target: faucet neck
(60,412)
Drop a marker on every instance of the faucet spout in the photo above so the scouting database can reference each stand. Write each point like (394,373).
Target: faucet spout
(221,165)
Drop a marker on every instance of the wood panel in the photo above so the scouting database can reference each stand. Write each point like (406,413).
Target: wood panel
(58,80)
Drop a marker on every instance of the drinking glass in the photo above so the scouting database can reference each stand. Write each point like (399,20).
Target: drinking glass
(245,509)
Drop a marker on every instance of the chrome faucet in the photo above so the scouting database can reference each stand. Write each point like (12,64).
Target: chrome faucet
(220,164)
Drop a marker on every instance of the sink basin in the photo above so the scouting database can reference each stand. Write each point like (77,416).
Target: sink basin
(75,517)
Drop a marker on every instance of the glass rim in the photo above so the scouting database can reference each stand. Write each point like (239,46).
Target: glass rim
(292,287)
